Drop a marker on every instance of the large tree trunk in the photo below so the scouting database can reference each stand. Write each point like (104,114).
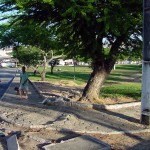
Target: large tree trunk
(43,74)
(101,69)
(95,82)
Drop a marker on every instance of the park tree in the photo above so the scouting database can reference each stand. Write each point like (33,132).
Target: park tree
(30,43)
(32,57)
(83,27)
(28,55)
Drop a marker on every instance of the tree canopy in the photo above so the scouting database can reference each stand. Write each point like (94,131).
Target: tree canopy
(83,27)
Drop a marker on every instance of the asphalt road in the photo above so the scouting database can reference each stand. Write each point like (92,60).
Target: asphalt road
(6,76)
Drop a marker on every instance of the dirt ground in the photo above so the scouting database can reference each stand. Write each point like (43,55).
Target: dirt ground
(139,141)
(34,139)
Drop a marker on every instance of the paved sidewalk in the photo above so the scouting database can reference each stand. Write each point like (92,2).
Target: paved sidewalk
(31,113)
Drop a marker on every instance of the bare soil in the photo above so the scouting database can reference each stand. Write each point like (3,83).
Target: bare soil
(140,141)
(35,139)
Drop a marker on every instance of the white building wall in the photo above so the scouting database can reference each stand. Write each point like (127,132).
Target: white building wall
(4,52)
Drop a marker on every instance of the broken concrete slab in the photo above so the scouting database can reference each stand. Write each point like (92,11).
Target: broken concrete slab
(79,143)
(12,143)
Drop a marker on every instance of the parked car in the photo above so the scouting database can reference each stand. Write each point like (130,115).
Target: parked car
(7,64)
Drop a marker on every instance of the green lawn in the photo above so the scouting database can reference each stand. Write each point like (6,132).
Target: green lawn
(124,81)
(81,74)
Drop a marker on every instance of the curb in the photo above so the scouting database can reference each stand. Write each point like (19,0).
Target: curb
(92,106)
(116,106)
(8,87)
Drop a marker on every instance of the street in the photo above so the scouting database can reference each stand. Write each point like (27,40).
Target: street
(6,76)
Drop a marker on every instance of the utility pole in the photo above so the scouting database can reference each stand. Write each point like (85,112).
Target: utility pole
(145,103)
(74,68)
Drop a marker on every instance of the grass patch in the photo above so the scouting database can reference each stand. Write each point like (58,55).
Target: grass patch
(81,74)
(124,73)
(126,90)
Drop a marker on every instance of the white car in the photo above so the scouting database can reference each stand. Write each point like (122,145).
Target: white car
(7,64)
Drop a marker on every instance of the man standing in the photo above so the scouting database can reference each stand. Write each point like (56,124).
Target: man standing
(23,82)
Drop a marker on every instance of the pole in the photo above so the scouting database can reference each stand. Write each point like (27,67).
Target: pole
(145,103)
(74,68)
